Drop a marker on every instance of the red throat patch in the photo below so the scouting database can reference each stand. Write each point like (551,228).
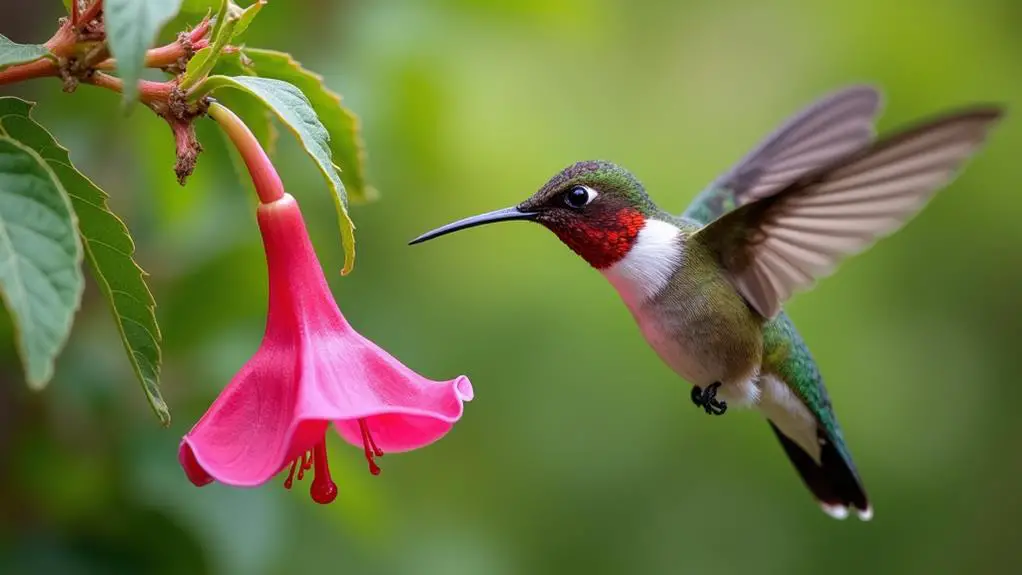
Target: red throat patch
(604,241)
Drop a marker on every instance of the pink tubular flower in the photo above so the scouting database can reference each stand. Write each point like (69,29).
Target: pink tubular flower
(312,369)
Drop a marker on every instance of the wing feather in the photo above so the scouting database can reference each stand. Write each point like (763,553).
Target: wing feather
(834,126)
(784,241)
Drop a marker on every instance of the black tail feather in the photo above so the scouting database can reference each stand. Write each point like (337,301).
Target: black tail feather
(834,482)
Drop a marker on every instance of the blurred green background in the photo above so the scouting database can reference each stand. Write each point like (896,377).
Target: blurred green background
(581,452)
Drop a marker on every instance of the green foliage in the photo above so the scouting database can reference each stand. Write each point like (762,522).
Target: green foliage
(108,248)
(231,23)
(289,92)
(592,461)
(131,27)
(346,144)
(245,17)
(293,109)
(40,257)
(13,53)
(203,61)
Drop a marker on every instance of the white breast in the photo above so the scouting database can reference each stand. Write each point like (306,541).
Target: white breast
(642,274)
(649,265)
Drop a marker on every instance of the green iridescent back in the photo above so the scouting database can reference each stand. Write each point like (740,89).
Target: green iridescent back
(785,353)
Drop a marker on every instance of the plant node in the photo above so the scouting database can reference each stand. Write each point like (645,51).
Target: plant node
(68,74)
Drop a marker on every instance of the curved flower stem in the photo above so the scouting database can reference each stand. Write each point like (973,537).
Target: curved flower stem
(264,175)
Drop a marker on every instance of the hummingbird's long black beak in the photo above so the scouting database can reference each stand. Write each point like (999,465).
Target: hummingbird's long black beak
(507,214)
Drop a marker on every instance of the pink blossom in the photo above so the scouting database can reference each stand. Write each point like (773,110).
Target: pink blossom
(312,369)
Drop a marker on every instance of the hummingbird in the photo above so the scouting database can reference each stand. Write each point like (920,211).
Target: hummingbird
(707,287)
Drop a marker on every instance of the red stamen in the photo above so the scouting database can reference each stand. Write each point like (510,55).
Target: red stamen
(306,464)
(376,450)
(291,476)
(323,489)
(370,447)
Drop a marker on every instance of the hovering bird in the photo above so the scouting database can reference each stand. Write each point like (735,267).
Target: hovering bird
(706,287)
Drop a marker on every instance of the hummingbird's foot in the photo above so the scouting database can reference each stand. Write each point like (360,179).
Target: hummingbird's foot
(707,399)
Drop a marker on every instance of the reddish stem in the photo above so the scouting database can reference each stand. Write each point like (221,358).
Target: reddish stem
(264,175)
(171,53)
(149,91)
(63,42)
(38,69)
(90,14)
(158,57)
(199,31)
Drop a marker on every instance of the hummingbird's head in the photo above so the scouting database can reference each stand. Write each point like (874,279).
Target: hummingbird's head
(596,208)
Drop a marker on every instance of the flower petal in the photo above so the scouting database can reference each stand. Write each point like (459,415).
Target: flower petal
(346,377)
(312,368)
(249,434)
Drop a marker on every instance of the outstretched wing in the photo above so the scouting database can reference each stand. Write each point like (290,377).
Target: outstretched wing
(781,243)
(835,125)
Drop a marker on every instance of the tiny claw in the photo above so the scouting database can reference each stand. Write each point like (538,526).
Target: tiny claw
(707,399)
(697,395)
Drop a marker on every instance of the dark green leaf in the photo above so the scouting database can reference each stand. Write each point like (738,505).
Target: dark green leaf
(12,53)
(108,248)
(346,143)
(131,29)
(40,258)
(295,111)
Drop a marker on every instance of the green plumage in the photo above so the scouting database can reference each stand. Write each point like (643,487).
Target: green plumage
(707,288)
(787,357)
(785,353)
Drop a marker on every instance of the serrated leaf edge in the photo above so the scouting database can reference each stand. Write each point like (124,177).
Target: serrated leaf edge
(368,192)
(32,382)
(156,401)
(345,222)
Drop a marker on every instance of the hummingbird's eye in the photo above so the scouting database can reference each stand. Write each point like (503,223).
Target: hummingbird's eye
(579,197)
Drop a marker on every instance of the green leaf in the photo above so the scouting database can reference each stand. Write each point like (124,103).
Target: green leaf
(245,17)
(40,258)
(346,143)
(12,53)
(234,64)
(203,61)
(294,110)
(108,248)
(131,29)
